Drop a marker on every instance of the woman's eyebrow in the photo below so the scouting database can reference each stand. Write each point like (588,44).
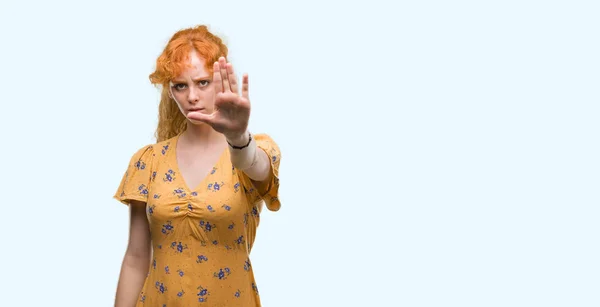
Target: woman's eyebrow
(201,78)
(194,79)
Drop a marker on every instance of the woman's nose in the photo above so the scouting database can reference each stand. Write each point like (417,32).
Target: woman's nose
(193,95)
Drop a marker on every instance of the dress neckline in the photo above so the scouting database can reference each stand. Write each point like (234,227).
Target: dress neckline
(175,165)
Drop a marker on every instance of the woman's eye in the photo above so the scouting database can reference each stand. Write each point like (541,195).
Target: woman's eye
(179,87)
(204,82)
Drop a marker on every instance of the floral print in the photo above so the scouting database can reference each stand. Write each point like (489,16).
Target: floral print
(200,256)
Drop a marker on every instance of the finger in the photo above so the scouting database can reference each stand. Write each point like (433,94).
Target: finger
(223,66)
(217,78)
(245,86)
(232,78)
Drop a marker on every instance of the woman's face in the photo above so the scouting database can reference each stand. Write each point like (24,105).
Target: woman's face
(193,90)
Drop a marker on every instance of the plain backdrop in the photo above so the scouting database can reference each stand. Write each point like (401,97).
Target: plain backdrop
(434,153)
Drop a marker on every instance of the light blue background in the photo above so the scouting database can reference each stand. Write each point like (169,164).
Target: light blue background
(435,153)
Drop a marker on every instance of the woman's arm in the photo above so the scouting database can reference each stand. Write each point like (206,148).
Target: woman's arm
(137,257)
(251,160)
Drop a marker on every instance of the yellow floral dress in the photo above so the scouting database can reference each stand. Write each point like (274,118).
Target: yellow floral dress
(201,236)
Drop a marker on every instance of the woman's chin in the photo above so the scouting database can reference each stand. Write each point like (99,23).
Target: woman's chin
(195,122)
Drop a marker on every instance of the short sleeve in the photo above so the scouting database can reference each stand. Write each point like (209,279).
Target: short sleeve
(269,191)
(136,180)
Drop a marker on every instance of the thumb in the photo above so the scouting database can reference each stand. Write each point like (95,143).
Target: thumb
(201,117)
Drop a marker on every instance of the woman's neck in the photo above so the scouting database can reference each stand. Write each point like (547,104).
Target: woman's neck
(202,135)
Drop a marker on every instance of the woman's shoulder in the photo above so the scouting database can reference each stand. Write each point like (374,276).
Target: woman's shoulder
(263,138)
(151,150)
(267,142)
(163,147)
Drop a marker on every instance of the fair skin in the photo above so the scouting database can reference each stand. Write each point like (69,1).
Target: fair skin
(137,257)
(217,113)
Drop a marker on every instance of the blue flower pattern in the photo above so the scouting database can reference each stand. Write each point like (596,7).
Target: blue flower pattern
(212,240)
(169,176)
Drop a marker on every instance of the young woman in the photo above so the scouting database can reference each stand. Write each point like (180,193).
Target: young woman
(195,196)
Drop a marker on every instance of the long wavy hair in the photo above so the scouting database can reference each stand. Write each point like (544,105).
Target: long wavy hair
(171,62)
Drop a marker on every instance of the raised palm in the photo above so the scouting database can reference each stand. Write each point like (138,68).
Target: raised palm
(232,110)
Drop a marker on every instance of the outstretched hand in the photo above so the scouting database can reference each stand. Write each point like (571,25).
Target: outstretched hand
(232,110)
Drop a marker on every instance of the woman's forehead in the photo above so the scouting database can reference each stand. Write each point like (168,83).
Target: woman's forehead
(193,67)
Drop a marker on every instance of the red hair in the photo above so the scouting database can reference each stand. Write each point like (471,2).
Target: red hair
(171,62)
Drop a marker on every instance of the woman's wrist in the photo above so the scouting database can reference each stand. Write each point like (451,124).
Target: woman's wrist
(241,140)
(243,151)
